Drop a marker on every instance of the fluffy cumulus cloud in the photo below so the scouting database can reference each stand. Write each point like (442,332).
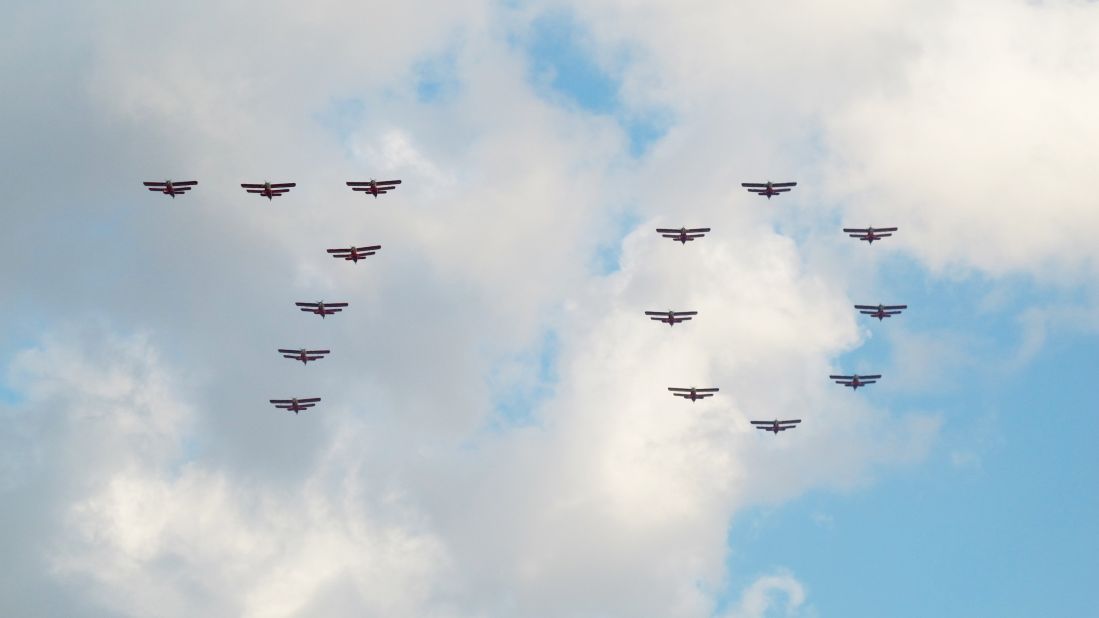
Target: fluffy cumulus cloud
(495,438)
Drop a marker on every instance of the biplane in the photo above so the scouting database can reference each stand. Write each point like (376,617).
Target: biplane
(304,355)
(855,381)
(683,235)
(768,189)
(269,190)
(881,311)
(694,394)
(374,187)
(354,254)
(870,234)
(321,308)
(776,425)
(171,188)
(671,318)
(294,404)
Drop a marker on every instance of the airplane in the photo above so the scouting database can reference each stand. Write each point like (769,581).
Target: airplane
(683,235)
(322,309)
(374,187)
(304,355)
(693,393)
(171,188)
(269,190)
(354,254)
(880,311)
(856,380)
(870,234)
(294,404)
(768,188)
(776,425)
(671,318)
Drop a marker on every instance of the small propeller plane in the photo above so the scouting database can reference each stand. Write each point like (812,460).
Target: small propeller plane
(776,425)
(870,234)
(694,394)
(269,190)
(855,381)
(354,254)
(294,404)
(374,187)
(671,318)
(683,235)
(321,308)
(768,188)
(171,188)
(880,311)
(304,355)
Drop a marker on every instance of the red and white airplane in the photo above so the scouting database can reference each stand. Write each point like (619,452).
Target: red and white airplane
(171,188)
(354,254)
(295,405)
(374,187)
(269,190)
(870,234)
(683,235)
(303,355)
(855,381)
(768,189)
(776,425)
(880,311)
(321,308)
(694,394)
(671,318)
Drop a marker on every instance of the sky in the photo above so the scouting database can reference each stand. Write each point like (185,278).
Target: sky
(495,438)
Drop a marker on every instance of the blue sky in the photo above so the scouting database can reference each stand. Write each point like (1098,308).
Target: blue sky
(495,438)
(1000,518)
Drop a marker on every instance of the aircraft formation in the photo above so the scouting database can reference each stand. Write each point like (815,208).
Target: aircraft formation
(670,317)
(353,254)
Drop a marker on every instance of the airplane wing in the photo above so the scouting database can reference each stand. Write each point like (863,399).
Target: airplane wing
(892,307)
(874,307)
(753,184)
(860,230)
(371,248)
(309,400)
(327,305)
(185,183)
(676,388)
(284,185)
(873,377)
(698,230)
(317,351)
(155,184)
(763,422)
(679,313)
(667,230)
(885,229)
(792,422)
(378,183)
(663,313)
(289,351)
(338,250)
(307,304)
(784,184)
(706,390)
(834,377)
(247,185)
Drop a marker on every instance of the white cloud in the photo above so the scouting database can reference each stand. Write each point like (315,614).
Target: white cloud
(169,487)
(779,591)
